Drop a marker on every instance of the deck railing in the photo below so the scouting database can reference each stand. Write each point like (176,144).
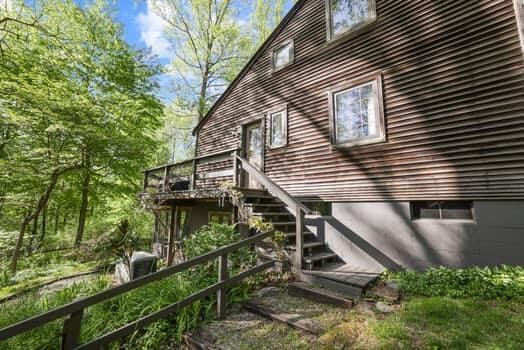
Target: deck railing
(200,172)
(296,208)
(74,311)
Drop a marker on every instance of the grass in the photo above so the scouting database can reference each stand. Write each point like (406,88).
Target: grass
(116,312)
(447,323)
(31,277)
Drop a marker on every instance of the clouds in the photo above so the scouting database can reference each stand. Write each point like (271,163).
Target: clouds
(151,32)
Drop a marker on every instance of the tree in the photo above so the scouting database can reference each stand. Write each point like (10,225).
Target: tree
(81,102)
(267,14)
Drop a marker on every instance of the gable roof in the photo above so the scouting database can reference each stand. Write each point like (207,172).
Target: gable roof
(250,63)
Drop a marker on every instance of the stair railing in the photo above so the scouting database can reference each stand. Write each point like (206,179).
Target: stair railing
(74,311)
(298,209)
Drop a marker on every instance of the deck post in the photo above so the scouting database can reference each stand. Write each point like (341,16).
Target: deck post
(146,180)
(299,249)
(193,175)
(171,238)
(235,168)
(221,293)
(71,330)
(166,178)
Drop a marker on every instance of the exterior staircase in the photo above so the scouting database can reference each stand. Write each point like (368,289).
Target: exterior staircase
(320,265)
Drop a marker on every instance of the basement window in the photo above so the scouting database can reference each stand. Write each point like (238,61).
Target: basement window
(346,15)
(278,128)
(357,114)
(283,55)
(220,217)
(442,210)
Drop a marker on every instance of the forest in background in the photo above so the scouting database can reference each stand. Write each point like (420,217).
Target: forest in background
(81,117)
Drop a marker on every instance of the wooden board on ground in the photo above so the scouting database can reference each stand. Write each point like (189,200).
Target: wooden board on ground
(296,321)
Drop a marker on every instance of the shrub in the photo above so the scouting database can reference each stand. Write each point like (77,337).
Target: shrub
(108,316)
(497,282)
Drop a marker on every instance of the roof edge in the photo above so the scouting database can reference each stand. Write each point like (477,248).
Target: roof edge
(250,63)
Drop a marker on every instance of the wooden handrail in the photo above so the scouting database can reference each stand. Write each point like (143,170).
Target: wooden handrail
(190,161)
(75,309)
(272,187)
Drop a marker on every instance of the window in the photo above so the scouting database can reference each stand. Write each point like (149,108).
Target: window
(357,114)
(220,217)
(345,15)
(282,56)
(278,128)
(183,221)
(442,210)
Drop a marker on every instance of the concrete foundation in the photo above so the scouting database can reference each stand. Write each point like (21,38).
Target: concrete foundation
(382,234)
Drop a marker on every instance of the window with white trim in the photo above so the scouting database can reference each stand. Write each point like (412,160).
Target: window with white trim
(357,114)
(278,128)
(282,56)
(346,15)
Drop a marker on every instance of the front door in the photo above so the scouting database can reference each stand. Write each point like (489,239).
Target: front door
(253,147)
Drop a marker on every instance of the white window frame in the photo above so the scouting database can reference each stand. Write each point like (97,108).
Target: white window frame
(290,43)
(372,16)
(283,110)
(376,80)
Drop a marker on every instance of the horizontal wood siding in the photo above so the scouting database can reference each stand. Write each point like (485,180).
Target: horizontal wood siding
(453,85)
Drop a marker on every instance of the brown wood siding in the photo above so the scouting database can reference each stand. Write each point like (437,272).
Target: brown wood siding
(453,85)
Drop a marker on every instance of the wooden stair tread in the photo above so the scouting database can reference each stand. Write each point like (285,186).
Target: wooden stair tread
(293,234)
(269,213)
(265,204)
(319,256)
(284,223)
(307,245)
(344,273)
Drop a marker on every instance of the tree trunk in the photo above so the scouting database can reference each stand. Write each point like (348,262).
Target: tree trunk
(34,228)
(42,202)
(57,218)
(83,207)
(43,228)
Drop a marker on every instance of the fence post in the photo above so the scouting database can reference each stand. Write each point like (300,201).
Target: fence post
(299,238)
(71,330)
(221,293)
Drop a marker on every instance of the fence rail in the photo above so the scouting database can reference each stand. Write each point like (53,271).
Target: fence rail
(74,311)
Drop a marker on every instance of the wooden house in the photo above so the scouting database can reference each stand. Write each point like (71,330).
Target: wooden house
(375,133)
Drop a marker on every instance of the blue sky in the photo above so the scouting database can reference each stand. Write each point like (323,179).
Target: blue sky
(143,29)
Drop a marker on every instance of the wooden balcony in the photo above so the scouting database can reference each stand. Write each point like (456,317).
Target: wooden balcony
(199,177)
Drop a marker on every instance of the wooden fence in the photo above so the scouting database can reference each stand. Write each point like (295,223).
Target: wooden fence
(75,310)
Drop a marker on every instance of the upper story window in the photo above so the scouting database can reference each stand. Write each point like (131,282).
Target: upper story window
(278,128)
(357,114)
(346,15)
(282,56)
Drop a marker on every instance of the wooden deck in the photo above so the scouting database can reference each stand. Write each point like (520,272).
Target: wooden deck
(347,274)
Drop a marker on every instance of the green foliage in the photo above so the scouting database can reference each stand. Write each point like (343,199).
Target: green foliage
(497,282)
(28,305)
(116,312)
(446,323)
